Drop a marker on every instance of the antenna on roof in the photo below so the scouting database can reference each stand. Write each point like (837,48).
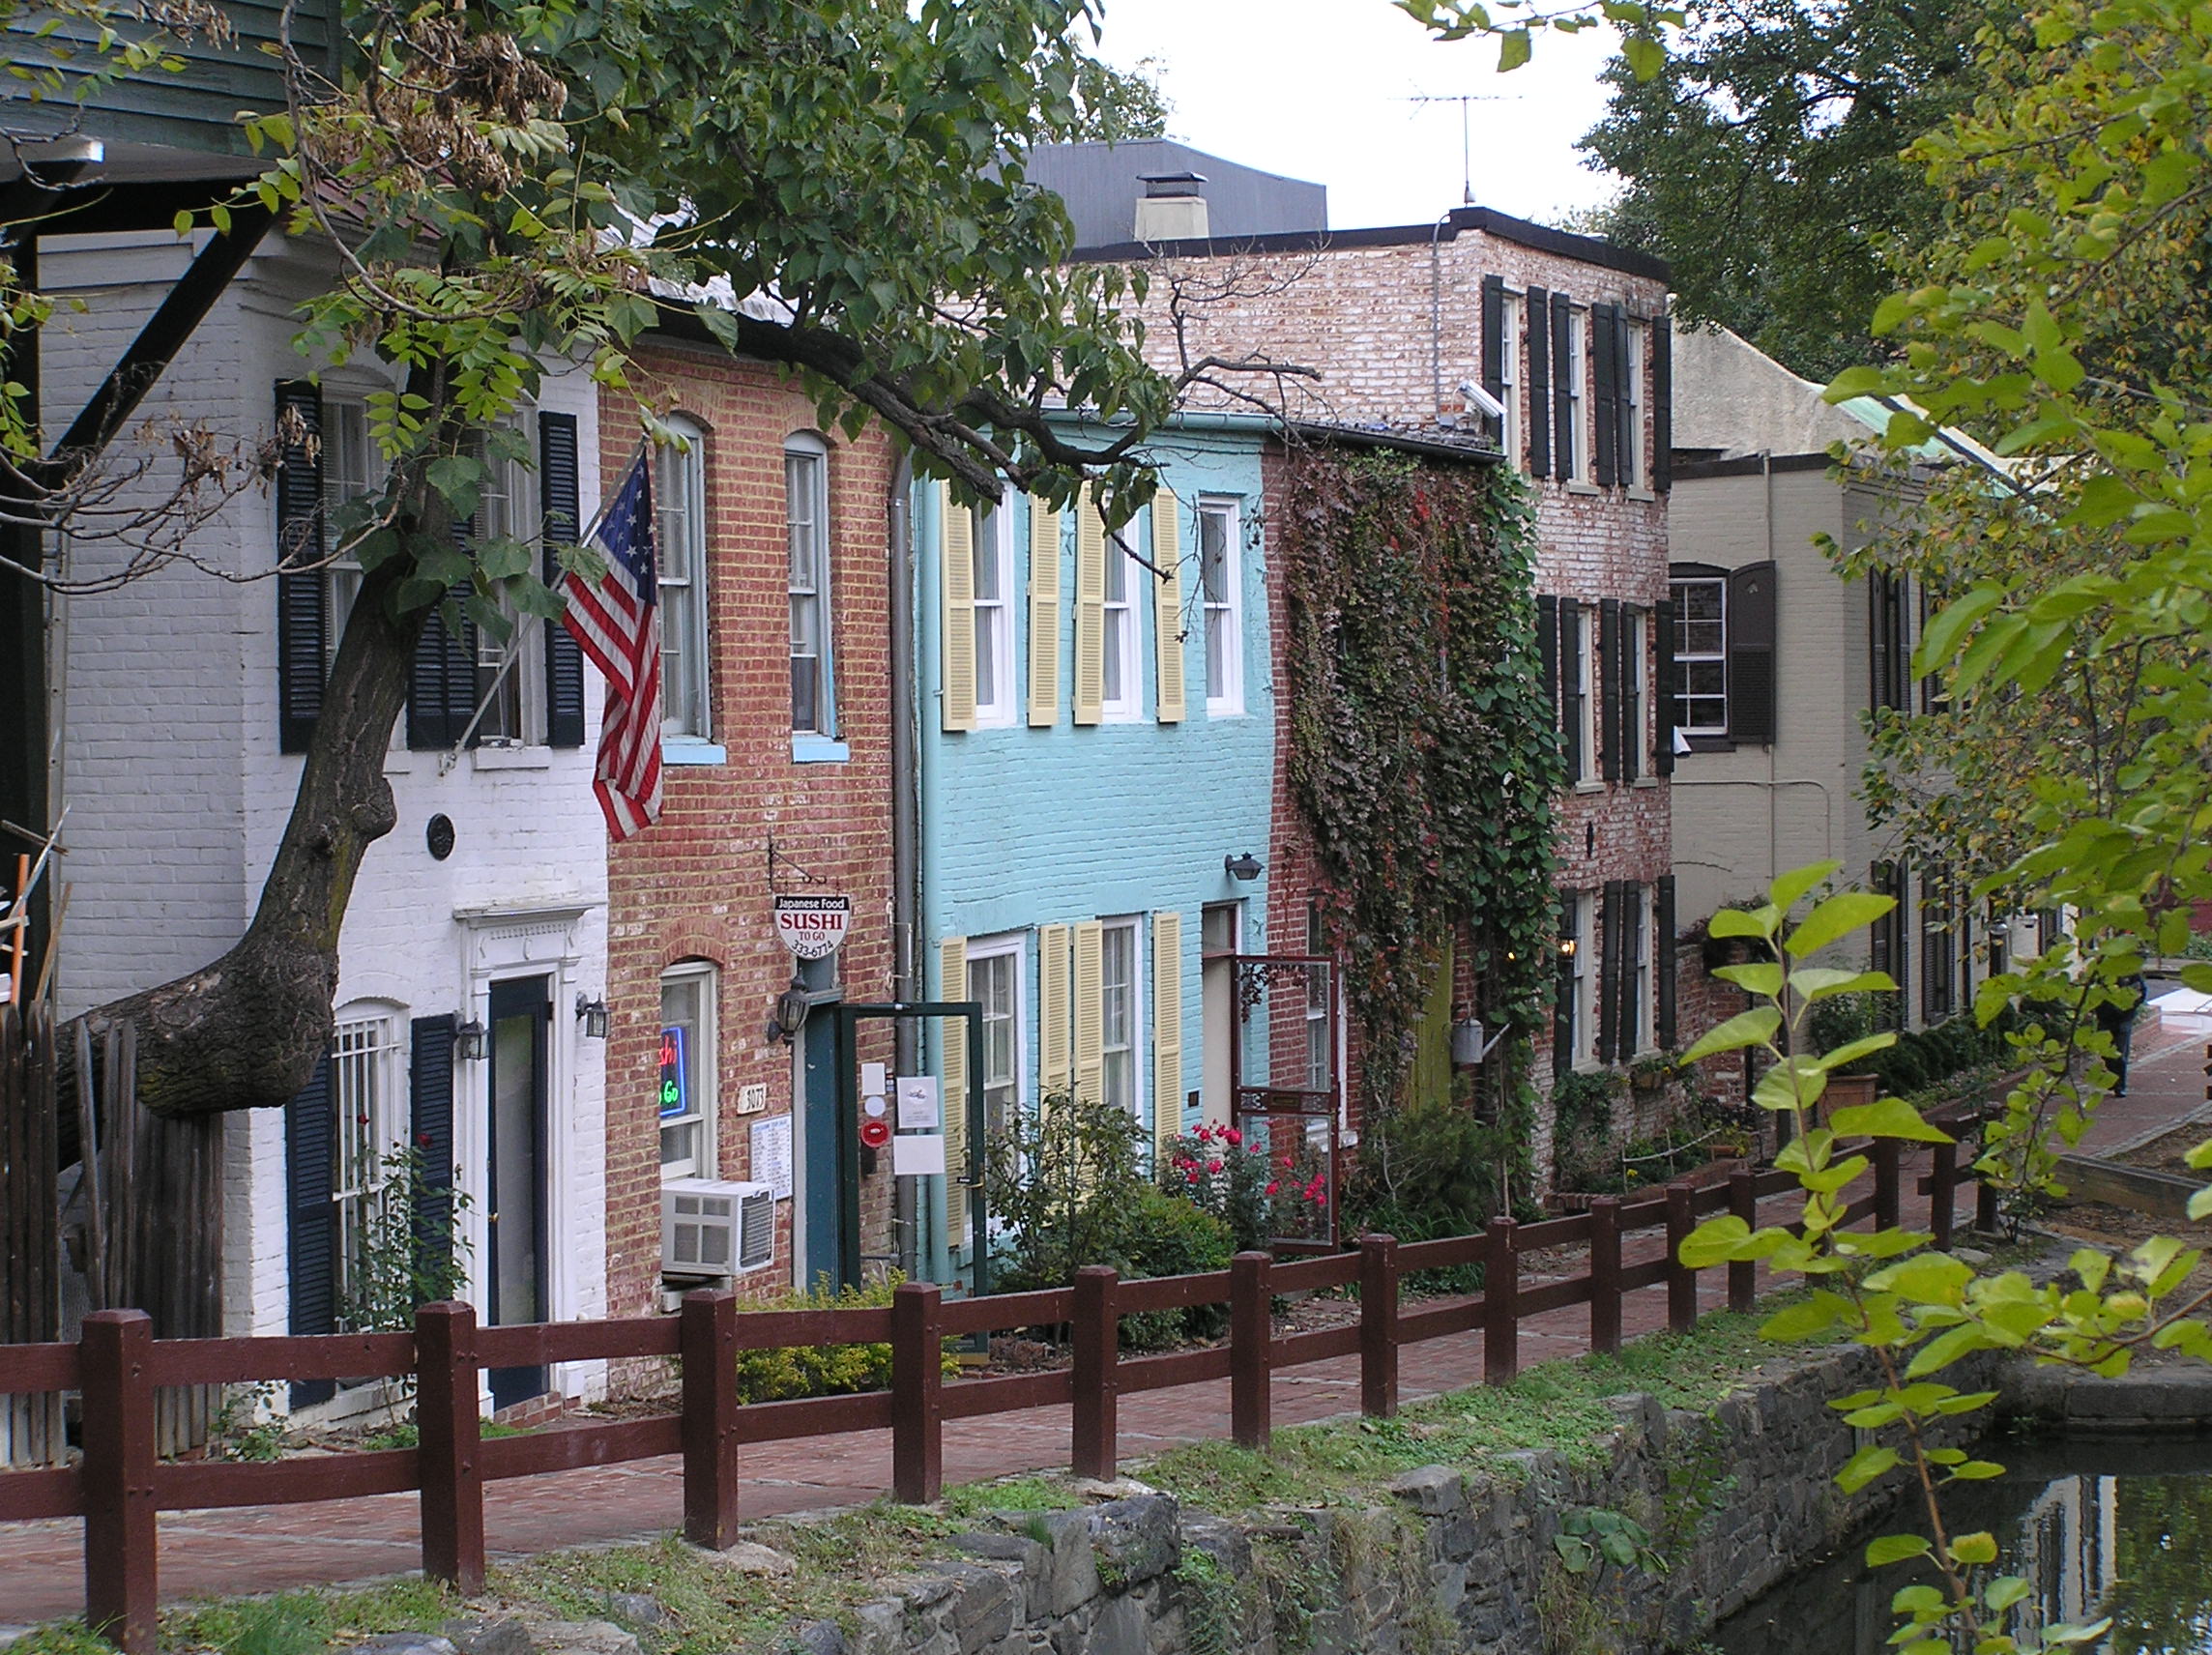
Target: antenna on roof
(1466,146)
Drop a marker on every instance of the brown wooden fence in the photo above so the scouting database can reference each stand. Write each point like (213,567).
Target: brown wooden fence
(120,1482)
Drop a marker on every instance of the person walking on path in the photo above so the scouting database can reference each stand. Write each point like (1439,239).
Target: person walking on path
(2117,1019)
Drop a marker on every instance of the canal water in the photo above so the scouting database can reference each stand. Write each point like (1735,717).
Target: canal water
(2098,1525)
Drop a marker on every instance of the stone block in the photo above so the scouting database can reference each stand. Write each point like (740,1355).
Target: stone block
(635,1609)
(403,1644)
(582,1638)
(1432,1490)
(823,1637)
(1073,1572)
(1119,1629)
(504,1635)
(1135,1540)
(750,1557)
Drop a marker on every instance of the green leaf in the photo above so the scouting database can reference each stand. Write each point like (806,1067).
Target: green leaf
(1851,1050)
(1514,49)
(1861,1469)
(1742,923)
(1933,1278)
(1646,56)
(1894,1549)
(1762,977)
(1939,641)
(1974,1548)
(1752,1027)
(1835,919)
(1886,1117)
(1794,882)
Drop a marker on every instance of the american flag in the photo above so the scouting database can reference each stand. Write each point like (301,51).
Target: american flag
(617,621)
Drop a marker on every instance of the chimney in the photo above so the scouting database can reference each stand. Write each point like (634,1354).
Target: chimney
(1172,208)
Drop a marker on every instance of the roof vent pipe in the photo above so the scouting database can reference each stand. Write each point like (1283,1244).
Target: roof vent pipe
(1172,208)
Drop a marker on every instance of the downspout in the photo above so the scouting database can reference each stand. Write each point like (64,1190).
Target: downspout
(906,837)
(1437,316)
(1773,747)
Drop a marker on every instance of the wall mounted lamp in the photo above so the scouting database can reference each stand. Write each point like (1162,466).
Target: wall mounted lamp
(1569,947)
(469,1041)
(594,1012)
(1246,867)
(790,1014)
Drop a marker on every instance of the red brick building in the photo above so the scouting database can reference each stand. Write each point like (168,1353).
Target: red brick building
(776,611)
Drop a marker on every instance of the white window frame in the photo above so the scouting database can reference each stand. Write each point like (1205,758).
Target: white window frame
(507,505)
(705,1069)
(994,540)
(1641,984)
(1577,428)
(1138,1000)
(1225,700)
(348,472)
(806,455)
(1585,980)
(679,513)
(1129,705)
(1685,657)
(1013,947)
(1594,761)
(1510,382)
(367,1122)
(1631,461)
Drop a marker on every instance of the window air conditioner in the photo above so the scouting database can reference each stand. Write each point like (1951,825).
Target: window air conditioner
(712,1230)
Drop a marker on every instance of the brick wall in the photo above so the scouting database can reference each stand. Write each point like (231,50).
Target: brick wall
(697,885)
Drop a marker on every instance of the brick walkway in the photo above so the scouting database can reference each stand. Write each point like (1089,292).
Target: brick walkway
(273,1547)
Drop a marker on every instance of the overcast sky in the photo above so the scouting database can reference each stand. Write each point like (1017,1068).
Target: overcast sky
(1318,90)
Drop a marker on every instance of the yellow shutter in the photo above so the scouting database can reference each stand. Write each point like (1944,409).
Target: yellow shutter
(1167,1033)
(952,1071)
(1167,604)
(1089,1010)
(1052,1008)
(1044,618)
(957,592)
(1090,611)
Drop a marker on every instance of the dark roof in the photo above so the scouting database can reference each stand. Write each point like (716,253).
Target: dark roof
(1427,444)
(1099,184)
(1586,249)
(1748,465)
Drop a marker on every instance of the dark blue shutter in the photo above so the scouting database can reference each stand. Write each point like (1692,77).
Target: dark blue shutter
(442,680)
(1663,922)
(1751,650)
(1494,348)
(1610,931)
(557,481)
(311,1220)
(1538,328)
(1548,653)
(1609,655)
(1662,404)
(1607,394)
(431,1101)
(302,619)
(1668,673)
(1566,441)
(1571,685)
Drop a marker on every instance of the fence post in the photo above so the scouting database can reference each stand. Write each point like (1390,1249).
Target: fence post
(1379,1327)
(917,1393)
(1251,1329)
(1681,1280)
(1605,1274)
(1097,1332)
(709,1340)
(1886,1205)
(1944,1195)
(449,1435)
(1743,1202)
(1501,1305)
(115,1357)
(1987,1216)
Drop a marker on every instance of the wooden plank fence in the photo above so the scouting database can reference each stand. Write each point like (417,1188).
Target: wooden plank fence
(120,1370)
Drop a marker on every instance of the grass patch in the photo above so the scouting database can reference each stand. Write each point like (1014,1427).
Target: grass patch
(1043,1492)
(1557,1404)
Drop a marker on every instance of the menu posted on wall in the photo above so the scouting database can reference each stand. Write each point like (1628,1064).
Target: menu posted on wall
(771,1154)
(812,927)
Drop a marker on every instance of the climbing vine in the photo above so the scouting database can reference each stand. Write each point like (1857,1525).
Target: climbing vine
(1423,755)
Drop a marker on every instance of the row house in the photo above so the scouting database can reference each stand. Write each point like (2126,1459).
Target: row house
(1397,330)
(475,946)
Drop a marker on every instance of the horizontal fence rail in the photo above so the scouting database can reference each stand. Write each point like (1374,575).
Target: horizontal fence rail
(119,1484)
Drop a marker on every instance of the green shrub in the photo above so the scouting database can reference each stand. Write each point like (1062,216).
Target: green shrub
(1426,1171)
(1583,1147)
(1064,1179)
(790,1371)
(1167,1235)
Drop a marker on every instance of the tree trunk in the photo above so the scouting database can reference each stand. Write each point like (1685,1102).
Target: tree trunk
(247,1031)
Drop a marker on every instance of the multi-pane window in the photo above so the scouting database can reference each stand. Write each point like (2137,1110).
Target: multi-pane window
(993,543)
(688,1071)
(503,509)
(679,523)
(1118,1022)
(1700,655)
(1632,733)
(1588,706)
(1220,580)
(807,507)
(1938,949)
(1510,382)
(365,1105)
(1119,634)
(993,982)
(1636,972)
(1631,406)
(349,472)
(1572,459)
(1320,1062)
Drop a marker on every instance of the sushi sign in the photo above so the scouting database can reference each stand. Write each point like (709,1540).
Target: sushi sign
(812,927)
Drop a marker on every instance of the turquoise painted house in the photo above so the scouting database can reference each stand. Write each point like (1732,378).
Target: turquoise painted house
(1096,759)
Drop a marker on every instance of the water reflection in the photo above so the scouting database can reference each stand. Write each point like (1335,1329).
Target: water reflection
(2118,1525)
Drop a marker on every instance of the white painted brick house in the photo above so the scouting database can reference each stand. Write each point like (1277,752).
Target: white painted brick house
(182,701)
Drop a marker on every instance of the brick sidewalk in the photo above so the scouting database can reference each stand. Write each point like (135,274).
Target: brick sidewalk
(2166,1087)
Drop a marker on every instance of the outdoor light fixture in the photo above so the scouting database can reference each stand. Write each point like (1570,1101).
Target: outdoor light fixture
(468,1041)
(594,1012)
(789,1015)
(1567,947)
(1245,868)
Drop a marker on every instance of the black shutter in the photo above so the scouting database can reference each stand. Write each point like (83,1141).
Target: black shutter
(1563,989)
(1611,913)
(1571,686)
(1632,677)
(1662,404)
(1751,647)
(312,1221)
(442,678)
(303,617)
(1663,922)
(1609,655)
(1539,332)
(1607,392)
(1566,441)
(1669,673)
(431,1101)
(1548,651)
(557,481)
(1627,1038)
(1494,347)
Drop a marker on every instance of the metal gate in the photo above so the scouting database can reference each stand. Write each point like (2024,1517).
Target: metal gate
(1286,1072)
